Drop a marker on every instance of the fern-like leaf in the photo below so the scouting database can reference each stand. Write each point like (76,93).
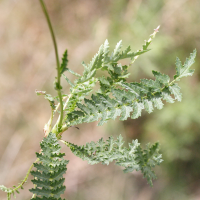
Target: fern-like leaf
(132,158)
(48,176)
(85,83)
(119,98)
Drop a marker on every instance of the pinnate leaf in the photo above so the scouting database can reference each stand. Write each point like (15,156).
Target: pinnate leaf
(132,158)
(184,70)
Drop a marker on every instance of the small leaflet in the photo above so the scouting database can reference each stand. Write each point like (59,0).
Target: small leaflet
(167,97)
(148,105)
(115,112)
(125,112)
(103,119)
(175,90)
(64,63)
(184,70)
(137,110)
(117,50)
(162,78)
(105,52)
(158,102)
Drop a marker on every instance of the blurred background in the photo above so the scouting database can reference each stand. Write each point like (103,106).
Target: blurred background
(27,62)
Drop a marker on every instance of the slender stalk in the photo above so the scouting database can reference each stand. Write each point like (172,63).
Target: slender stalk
(26,177)
(12,191)
(152,36)
(57,61)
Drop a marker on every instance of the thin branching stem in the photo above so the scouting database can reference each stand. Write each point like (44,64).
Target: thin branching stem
(26,177)
(57,61)
(15,189)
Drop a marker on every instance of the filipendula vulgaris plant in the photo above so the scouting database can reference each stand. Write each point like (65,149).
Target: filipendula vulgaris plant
(116,97)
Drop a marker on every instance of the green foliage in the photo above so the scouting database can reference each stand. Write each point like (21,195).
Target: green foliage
(15,189)
(184,70)
(48,178)
(117,97)
(63,66)
(132,158)
(101,105)
(9,191)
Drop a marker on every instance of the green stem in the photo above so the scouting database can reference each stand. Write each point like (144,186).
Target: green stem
(12,191)
(9,196)
(26,177)
(152,36)
(57,61)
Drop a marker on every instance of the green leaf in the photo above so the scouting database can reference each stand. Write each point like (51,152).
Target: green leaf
(72,72)
(125,112)
(64,63)
(162,78)
(116,97)
(175,90)
(132,158)
(117,50)
(114,113)
(70,83)
(105,53)
(104,116)
(158,102)
(48,178)
(137,110)
(167,95)
(104,81)
(84,108)
(148,105)
(124,53)
(184,70)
